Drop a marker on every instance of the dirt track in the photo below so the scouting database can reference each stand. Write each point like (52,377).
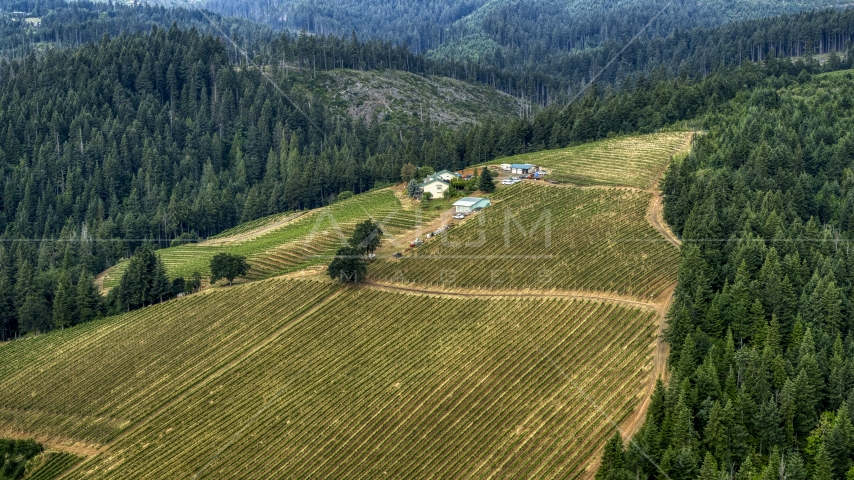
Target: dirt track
(631,424)
(628,427)
(56,443)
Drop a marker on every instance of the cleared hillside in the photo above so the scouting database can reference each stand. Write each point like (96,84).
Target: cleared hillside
(409,98)
(304,379)
(546,238)
(288,242)
(634,161)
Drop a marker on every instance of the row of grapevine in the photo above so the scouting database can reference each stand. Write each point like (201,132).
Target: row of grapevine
(433,387)
(633,161)
(91,382)
(52,465)
(538,238)
(258,223)
(320,246)
(291,246)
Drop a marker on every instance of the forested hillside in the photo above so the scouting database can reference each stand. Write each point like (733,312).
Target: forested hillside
(547,49)
(427,25)
(762,326)
(145,137)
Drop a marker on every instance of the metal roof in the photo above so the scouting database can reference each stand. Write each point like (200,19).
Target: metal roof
(432,180)
(524,166)
(468,201)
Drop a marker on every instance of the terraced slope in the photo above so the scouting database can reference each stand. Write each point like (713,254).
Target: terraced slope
(634,161)
(304,380)
(539,238)
(287,242)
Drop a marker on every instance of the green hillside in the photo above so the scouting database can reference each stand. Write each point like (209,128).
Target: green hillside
(544,238)
(286,242)
(304,379)
(632,161)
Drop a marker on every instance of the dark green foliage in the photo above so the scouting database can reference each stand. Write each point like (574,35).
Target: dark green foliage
(366,237)
(228,266)
(485,184)
(178,286)
(762,324)
(547,50)
(143,282)
(14,455)
(348,266)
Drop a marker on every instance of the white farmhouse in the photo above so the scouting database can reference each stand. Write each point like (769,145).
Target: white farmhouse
(434,186)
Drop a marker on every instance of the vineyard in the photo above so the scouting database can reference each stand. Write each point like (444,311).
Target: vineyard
(537,238)
(457,388)
(52,465)
(306,240)
(91,382)
(634,161)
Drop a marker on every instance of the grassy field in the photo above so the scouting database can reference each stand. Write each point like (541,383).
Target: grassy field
(634,161)
(543,238)
(435,386)
(307,239)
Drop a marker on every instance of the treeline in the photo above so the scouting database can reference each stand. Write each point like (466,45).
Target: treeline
(643,104)
(146,137)
(554,69)
(761,331)
(162,136)
(513,50)
(73,24)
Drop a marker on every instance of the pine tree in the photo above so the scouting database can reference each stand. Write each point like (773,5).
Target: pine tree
(709,470)
(87,299)
(62,302)
(613,459)
(823,464)
(485,184)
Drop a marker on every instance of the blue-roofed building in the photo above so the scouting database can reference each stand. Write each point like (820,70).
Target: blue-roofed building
(469,204)
(523,168)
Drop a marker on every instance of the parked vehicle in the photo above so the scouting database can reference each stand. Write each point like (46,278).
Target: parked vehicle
(508,182)
(459,216)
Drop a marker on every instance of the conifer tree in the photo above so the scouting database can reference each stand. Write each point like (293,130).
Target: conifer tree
(62,302)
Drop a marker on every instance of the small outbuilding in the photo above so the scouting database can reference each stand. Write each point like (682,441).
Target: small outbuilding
(470,204)
(505,167)
(434,186)
(523,168)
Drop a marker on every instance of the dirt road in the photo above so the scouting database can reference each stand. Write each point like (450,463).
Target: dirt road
(56,443)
